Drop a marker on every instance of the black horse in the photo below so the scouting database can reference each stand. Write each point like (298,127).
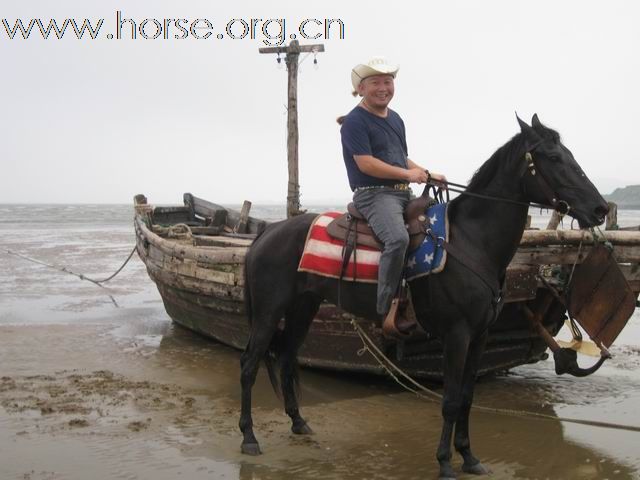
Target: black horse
(534,166)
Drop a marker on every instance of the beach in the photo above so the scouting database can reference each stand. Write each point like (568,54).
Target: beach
(99,383)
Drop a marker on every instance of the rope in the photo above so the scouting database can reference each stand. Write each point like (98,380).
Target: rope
(66,270)
(390,368)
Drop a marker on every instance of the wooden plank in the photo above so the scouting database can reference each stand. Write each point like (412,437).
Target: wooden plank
(319,47)
(206,230)
(522,283)
(632,274)
(201,254)
(574,237)
(567,255)
(208,209)
(221,241)
(195,286)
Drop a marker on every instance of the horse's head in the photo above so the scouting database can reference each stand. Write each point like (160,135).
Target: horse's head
(552,176)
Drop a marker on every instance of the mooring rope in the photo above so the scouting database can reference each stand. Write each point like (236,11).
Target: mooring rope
(394,371)
(66,270)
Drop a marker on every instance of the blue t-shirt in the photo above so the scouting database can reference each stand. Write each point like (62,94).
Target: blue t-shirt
(364,133)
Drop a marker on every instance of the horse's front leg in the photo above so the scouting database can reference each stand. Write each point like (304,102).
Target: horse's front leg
(456,344)
(461,440)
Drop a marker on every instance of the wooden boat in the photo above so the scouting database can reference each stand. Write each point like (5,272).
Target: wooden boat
(195,255)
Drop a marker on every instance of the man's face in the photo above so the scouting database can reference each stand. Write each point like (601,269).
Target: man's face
(377,90)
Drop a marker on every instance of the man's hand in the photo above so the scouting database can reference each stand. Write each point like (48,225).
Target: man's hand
(416,175)
(438,179)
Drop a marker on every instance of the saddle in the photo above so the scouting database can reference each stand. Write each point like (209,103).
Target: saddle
(352,227)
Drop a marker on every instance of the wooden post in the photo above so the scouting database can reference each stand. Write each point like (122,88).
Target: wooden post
(554,221)
(612,217)
(291,59)
(241,226)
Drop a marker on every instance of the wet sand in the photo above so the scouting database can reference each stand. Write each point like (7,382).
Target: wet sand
(100,384)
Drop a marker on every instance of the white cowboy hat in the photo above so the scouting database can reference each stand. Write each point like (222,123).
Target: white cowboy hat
(375,66)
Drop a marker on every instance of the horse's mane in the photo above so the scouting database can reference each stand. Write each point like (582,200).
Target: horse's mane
(488,169)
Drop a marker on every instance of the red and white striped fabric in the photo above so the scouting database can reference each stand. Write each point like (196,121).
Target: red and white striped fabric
(323,254)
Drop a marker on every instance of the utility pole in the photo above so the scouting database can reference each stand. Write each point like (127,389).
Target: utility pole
(292,54)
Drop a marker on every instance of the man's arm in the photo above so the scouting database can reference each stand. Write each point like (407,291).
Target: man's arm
(413,164)
(377,168)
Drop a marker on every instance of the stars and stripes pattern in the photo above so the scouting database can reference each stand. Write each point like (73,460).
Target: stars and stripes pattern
(427,259)
(323,254)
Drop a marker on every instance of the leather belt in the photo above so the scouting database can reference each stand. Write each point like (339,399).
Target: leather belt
(397,186)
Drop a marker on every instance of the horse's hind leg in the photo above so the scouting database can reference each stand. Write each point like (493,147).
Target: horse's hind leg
(297,321)
(259,342)
(461,439)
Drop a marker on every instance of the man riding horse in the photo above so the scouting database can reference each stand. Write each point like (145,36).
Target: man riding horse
(459,304)
(374,147)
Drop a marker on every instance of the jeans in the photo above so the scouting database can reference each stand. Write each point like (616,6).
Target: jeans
(383,209)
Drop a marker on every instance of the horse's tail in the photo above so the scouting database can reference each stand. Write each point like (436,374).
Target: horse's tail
(272,361)
(247,290)
(247,293)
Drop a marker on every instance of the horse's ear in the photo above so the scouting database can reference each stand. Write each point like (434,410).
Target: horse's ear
(522,123)
(530,135)
(535,123)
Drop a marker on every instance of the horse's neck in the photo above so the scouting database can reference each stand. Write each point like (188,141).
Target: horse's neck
(491,229)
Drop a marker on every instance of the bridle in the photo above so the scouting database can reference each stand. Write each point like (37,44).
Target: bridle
(560,206)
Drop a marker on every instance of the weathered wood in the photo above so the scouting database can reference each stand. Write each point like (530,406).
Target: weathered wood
(574,237)
(139,200)
(293,187)
(142,209)
(205,255)
(221,241)
(291,59)
(317,48)
(241,226)
(554,221)
(212,290)
(612,217)
(551,255)
(222,216)
(632,273)
(522,283)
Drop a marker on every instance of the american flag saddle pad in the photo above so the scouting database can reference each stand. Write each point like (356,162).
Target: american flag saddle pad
(322,254)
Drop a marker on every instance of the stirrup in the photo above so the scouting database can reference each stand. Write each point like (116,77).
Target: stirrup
(390,325)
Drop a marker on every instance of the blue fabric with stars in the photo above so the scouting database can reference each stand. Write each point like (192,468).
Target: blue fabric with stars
(427,259)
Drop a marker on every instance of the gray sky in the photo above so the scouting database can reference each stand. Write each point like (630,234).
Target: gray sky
(95,121)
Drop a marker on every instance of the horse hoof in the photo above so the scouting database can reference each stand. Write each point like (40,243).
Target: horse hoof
(251,449)
(447,473)
(302,429)
(476,469)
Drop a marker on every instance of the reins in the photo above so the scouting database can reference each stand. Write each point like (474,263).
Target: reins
(462,189)
(560,206)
